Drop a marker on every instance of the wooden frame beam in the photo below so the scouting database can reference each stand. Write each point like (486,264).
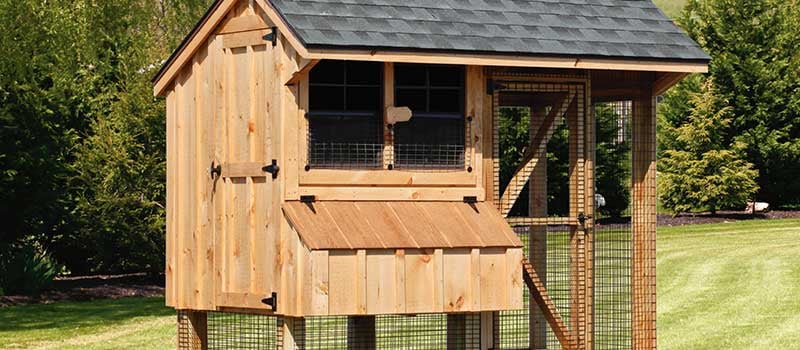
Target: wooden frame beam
(665,81)
(542,298)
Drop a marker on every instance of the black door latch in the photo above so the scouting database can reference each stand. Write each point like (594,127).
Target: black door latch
(272,168)
(582,218)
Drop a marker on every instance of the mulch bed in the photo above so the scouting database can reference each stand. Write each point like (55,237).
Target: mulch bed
(721,217)
(93,288)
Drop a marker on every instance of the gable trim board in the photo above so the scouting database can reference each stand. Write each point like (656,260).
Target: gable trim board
(220,8)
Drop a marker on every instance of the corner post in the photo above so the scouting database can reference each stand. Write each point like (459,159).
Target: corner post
(192,330)
(643,274)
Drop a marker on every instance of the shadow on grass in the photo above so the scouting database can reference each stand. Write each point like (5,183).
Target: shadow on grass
(79,314)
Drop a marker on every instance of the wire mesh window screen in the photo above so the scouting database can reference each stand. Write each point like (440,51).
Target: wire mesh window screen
(345,118)
(613,232)
(434,138)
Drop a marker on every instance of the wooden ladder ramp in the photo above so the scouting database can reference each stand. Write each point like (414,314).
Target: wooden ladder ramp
(539,294)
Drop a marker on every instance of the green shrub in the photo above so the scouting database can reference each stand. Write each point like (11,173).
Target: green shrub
(26,270)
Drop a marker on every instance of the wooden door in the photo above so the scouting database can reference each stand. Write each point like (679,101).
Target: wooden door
(246,194)
(557,212)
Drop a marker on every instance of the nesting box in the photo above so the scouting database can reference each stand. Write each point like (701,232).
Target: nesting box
(326,165)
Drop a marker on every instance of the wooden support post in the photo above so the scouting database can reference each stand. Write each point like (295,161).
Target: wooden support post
(198,330)
(537,241)
(292,333)
(577,207)
(456,331)
(586,113)
(488,340)
(643,202)
(361,332)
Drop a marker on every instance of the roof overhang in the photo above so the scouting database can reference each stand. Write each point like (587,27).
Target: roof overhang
(220,8)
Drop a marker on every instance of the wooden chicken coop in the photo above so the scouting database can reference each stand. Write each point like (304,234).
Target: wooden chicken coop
(340,175)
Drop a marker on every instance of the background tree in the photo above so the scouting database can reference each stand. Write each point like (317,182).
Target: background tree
(81,136)
(755,47)
(703,171)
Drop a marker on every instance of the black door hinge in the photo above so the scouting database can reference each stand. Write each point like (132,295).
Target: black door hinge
(271,301)
(583,217)
(492,85)
(470,199)
(215,170)
(308,199)
(272,169)
(272,36)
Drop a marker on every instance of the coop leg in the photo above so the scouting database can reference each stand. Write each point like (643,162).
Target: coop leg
(361,332)
(293,333)
(489,328)
(195,329)
(456,331)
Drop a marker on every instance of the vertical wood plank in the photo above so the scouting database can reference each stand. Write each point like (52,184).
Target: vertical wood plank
(381,278)
(170,288)
(420,272)
(204,240)
(187,190)
(475,278)
(220,153)
(457,286)
(400,280)
(515,282)
(361,282)
(320,282)
(494,280)
(344,292)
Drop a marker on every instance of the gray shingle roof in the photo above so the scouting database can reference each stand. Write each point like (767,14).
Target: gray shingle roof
(634,29)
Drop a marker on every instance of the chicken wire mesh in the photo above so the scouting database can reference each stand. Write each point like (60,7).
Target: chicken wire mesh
(410,332)
(226,330)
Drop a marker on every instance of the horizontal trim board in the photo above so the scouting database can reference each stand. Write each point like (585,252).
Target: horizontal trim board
(509,60)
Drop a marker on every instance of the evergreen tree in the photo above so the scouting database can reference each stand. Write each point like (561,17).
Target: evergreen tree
(703,171)
(755,45)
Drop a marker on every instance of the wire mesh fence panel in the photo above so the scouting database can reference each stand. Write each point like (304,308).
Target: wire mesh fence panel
(229,331)
(423,332)
(613,247)
(514,326)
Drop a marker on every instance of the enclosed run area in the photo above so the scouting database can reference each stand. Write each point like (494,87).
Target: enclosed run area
(417,174)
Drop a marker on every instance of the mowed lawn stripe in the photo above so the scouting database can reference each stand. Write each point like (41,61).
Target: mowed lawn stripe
(729,286)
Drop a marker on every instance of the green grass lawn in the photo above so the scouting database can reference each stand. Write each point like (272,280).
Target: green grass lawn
(671,7)
(721,286)
(729,286)
(129,323)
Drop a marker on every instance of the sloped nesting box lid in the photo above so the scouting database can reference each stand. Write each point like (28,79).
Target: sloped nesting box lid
(399,225)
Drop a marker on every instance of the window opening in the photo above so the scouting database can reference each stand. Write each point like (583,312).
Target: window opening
(434,137)
(345,118)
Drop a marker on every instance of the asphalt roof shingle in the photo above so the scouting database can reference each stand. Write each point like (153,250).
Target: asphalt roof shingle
(634,29)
